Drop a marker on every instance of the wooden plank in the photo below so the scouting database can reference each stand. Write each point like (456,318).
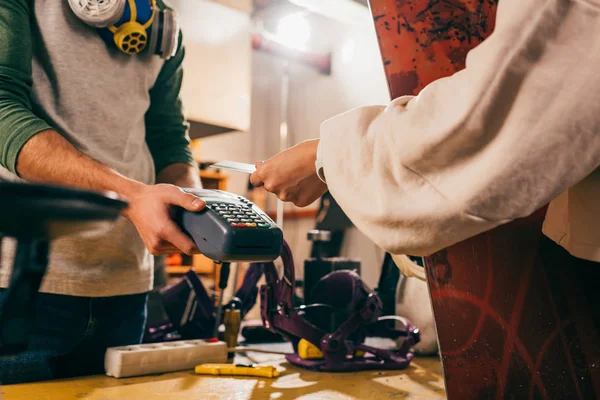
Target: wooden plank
(177,269)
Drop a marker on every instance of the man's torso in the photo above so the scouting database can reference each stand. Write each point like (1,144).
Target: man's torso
(96,97)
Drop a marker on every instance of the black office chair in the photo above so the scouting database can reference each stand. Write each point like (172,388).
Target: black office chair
(35,215)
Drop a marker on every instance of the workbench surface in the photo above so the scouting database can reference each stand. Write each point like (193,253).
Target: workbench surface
(422,380)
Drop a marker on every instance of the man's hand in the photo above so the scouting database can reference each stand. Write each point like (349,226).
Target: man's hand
(150,207)
(184,176)
(150,211)
(291,174)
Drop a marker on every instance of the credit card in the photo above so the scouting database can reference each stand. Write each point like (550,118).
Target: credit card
(235,166)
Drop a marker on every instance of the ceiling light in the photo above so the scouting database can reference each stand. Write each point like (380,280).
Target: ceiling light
(293,31)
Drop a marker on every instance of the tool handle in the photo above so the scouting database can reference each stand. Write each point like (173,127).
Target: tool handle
(262,371)
(232,321)
(224,276)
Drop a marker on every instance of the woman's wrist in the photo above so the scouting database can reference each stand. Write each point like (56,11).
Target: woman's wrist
(319,163)
(310,148)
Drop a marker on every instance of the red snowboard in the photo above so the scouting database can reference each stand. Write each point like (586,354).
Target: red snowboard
(517,317)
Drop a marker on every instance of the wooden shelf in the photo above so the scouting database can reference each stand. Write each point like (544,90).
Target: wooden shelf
(212,179)
(213,174)
(177,269)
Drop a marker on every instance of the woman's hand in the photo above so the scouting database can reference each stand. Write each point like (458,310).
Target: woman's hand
(291,174)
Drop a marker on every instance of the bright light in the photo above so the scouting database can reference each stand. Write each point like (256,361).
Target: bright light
(293,31)
(348,51)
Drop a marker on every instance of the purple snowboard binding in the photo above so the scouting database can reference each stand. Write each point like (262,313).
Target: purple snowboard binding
(342,314)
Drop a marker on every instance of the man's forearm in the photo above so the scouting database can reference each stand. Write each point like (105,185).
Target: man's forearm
(180,174)
(49,158)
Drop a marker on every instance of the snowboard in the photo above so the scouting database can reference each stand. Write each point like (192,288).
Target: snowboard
(516,315)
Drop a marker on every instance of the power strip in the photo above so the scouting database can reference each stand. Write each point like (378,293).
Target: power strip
(156,358)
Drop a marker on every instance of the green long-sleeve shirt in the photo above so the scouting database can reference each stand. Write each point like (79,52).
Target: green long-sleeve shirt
(124,111)
(166,129)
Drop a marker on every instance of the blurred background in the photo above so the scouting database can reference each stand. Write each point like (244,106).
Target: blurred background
(261,76)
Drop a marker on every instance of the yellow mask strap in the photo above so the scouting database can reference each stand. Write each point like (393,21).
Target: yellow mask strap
(133,16)
(151,20)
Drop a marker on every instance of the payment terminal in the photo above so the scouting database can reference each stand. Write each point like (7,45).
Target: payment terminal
(231,228)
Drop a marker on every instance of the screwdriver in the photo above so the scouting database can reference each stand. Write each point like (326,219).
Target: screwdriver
(223,278)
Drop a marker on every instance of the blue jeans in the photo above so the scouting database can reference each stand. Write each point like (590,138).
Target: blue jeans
(72,334)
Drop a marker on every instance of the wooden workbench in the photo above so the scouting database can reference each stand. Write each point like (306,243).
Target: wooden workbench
(422,380)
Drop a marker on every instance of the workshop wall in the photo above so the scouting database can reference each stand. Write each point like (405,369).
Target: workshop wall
(357,79)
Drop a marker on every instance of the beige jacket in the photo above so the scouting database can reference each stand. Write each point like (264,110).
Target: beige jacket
(517,128)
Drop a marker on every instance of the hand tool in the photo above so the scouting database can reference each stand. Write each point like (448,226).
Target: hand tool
(263,371)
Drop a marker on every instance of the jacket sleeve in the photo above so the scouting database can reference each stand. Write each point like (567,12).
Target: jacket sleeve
(491,143)
(17,121)
(166,128)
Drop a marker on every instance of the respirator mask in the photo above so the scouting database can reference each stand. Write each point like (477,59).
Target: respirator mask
(131,25)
